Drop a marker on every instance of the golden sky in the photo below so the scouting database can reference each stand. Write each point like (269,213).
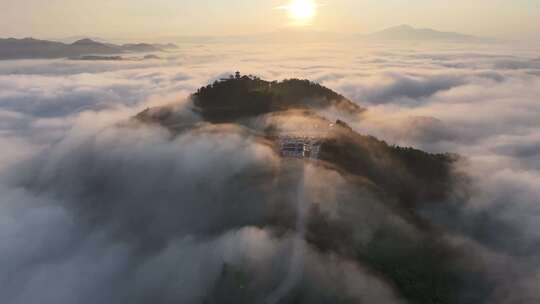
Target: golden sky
(146,18)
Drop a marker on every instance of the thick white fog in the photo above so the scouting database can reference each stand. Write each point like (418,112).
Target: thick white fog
(97,209)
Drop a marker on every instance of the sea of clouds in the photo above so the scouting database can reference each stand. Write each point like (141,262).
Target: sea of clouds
(94,209)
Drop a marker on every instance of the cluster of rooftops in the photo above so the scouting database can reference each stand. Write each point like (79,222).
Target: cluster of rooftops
(300,147)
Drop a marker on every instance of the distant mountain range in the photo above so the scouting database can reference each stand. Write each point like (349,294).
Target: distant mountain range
(29,48)
(407,32)
(33,48)
(291,35)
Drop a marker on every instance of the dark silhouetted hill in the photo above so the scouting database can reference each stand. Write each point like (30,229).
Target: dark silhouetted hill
(244,96)
(30,48)
(140,47)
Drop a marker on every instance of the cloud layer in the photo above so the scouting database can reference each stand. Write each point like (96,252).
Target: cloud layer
(97,209)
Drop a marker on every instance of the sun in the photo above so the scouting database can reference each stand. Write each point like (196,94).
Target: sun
(301,11)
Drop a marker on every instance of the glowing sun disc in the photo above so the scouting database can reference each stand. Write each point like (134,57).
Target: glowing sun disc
(302,10)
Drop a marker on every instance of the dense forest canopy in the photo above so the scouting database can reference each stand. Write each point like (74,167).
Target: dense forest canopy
(241,96)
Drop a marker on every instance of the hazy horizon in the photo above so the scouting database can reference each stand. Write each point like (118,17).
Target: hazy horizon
(121,19)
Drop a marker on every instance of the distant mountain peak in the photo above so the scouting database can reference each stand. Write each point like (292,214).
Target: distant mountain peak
(86,41)
(408,32)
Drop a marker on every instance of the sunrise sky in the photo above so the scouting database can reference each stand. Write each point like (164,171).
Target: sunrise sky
(147,18)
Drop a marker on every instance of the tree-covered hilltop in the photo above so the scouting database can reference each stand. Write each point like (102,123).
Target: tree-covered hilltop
(412,176)
(243,96)
(378,223)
